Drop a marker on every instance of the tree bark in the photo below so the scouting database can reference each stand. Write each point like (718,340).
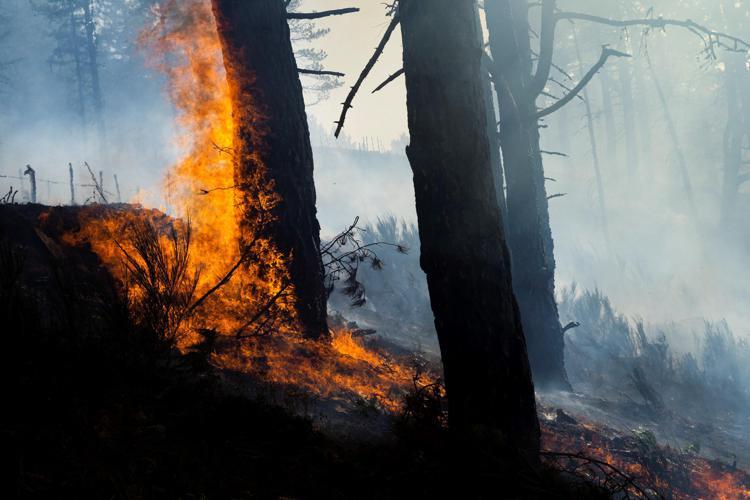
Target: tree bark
(527,222)
(272,140)
(463,247)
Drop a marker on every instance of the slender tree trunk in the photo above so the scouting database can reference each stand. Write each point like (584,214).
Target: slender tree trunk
(628,106)
(78,69)
(734,136)
(609,115)
(594,155)
(463,248)
(93,68)
(493,134)
(527,222)
(644,117)
(272,142)
(687,184)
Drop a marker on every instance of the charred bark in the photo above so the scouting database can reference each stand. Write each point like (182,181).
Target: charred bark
(463,248)
(272,140)
(527,219)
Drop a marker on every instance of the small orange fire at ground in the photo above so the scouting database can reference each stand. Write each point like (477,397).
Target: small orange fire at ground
(655,470)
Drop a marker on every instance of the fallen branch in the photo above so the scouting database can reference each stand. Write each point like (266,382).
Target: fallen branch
(347,104)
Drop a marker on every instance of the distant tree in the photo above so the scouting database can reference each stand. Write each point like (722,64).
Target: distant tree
(317,85)
(4,35)
(520,86)
(76,27)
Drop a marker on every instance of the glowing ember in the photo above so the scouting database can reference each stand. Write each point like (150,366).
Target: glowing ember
(682,475)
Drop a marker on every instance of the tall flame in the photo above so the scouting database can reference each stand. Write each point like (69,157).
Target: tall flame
(185,46)
(183,43)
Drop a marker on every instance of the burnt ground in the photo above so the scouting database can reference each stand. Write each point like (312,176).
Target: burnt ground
(95,408)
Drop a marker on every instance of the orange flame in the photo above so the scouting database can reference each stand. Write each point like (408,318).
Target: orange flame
(184,45)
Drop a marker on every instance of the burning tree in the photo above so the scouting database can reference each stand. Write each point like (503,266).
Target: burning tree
(272,152)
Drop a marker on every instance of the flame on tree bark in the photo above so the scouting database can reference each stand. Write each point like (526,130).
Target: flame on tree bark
(272,150)
(464,255)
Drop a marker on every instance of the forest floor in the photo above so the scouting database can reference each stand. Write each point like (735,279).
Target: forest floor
(95,411)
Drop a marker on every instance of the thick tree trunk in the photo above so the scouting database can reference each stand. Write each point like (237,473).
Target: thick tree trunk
(527,221)
(272,141)
(463,249)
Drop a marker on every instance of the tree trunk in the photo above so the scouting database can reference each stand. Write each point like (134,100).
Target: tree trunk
(609,115)
(687,184)
(463,248)
(734,136)
(493,133)
(628,105)
(272,146)
(93,67)
(594,154)
(527,222)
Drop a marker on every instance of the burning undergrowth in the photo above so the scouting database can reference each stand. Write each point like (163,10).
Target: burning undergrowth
(635,464)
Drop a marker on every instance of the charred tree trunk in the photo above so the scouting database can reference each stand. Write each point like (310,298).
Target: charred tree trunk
(272,140)
(463,249)
(527,221)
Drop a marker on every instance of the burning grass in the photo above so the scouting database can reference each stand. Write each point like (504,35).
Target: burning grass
(582,447)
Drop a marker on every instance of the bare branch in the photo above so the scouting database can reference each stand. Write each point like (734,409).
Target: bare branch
(389,80)
(319,72)
(321,14)
(606,54)
(558,195)
(554,153)
(714,37)
(366,71)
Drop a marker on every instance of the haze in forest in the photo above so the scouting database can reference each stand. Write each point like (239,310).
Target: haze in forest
(657,261)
